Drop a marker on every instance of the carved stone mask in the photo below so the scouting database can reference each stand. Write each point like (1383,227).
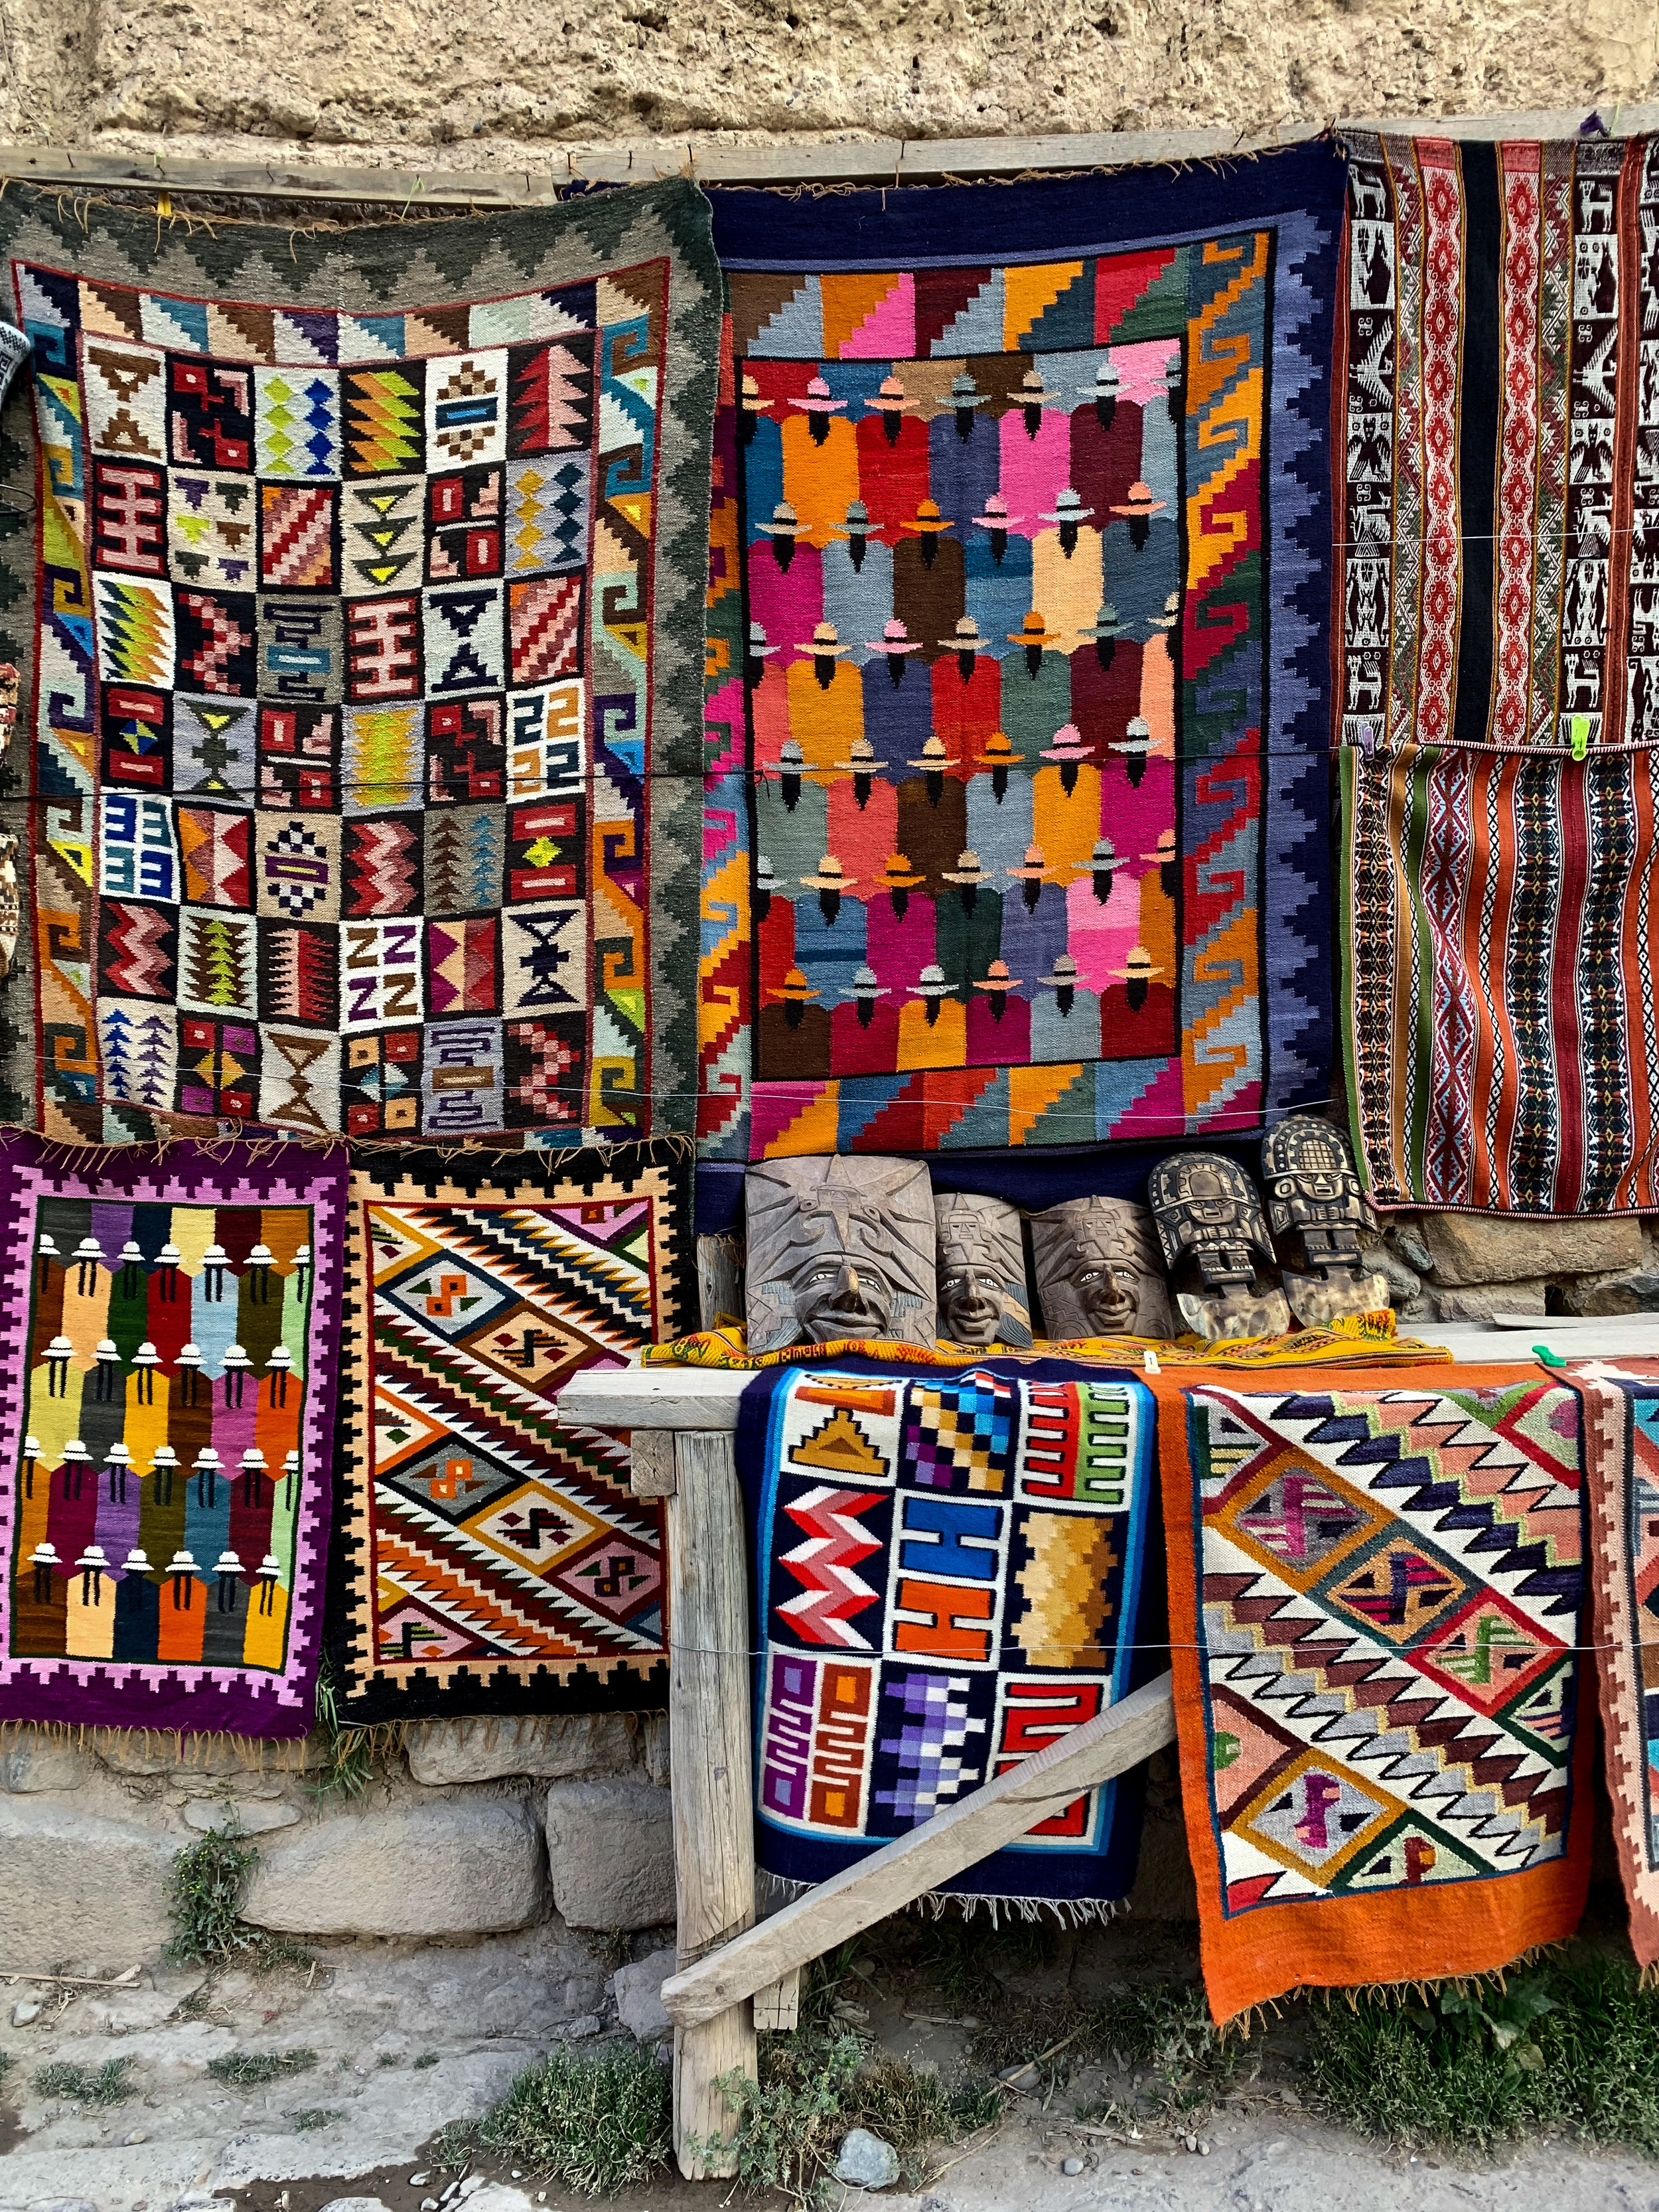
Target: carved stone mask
(1215,1240)
(1098,1270)
(839,1248)
(982,1298)
(1315,1205)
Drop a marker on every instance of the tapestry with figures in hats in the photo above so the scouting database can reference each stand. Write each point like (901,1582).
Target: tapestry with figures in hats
(1017,677)
(171,1324)
(358,615)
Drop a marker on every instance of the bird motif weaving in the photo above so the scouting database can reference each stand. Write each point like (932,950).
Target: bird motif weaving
(360,656)
(948,1580)
(489,1557)
(166,1438)
(1016,625)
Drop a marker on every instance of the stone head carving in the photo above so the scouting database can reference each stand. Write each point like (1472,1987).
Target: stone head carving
(1098,1270)
(983,1297)
(10,904)
(839,1248)
(1215,1241)
(1316,1209)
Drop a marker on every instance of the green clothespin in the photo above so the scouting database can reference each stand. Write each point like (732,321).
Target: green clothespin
(1580,729)
(1542,1352)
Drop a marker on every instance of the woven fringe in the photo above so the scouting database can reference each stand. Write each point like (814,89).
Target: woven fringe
(186,1748)
(1419,1989)
(935,1903)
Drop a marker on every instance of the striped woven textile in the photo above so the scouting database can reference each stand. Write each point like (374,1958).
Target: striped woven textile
(1498,672)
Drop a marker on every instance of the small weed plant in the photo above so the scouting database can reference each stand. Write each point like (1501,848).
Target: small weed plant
(250,2069)
(426,2058)
(111,2083)
(598,2124)
(310,2117)
(205,1891)
(350,1751)
(1572,2049)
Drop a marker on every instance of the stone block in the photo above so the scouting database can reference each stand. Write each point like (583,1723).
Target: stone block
(1636,1290)
(37,1762)
(252,1815)
(1473,1248)
(552,1749)
(655,1735)
(1404,1283)
(450,1866)
(611,1853)
(1481,1301)
(638,1991)
(77,1892)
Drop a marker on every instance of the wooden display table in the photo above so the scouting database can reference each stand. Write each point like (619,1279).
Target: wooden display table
(683,1421)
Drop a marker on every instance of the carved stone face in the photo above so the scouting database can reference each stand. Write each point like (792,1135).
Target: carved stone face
(839,1248)
(982,1298)
(1211,1226)
(1098,1271)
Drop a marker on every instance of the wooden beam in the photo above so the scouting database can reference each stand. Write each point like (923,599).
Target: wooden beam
(715,161)
(713,1795)
(650,1473)
(654,1397)
(777,2007)
(998,1813)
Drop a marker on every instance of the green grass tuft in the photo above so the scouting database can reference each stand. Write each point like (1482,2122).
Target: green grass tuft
(351,1751)
(247,2069)
(108,2084)
(598,2124)
(1572,2048)
(426,2058)
(310,2117)
(206,1890)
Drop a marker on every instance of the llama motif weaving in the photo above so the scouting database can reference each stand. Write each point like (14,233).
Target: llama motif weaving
(947,1580)
(1621,1439)
(360,626)
(171,1328)
(1030,509)
(489,1557)
(1377,1612)
(1498,672)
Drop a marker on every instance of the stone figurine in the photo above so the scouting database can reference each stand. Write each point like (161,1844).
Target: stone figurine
(983,1297)
(1098,1271)
(1215,1242)
(1316,1209)
(11,913)
(839,1248)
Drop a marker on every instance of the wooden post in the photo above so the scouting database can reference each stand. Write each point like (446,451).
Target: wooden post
(713,1815)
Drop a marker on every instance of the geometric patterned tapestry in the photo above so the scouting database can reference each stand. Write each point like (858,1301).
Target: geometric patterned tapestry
(1498,671)
(1019,619)
(948,1579)
(167,1434)
(1621,1439)
(1385,1588)
(488,1556)
(359,618)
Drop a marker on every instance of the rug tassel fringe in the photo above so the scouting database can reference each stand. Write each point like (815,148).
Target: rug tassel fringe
(935,1903)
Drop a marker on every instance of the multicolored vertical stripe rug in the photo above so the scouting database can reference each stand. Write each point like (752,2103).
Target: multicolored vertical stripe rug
(948,1575)
(1016,831)
(1498,668)
(169,1334)
(1377,1610)
(488,1557)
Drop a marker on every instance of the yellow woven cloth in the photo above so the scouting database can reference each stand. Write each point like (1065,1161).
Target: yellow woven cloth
(1357,1340)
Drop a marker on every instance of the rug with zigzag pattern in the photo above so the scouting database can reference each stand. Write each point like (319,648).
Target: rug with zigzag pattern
(488,1557)
(1377,1606)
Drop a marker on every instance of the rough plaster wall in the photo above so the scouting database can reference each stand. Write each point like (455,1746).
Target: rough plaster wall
(502,83)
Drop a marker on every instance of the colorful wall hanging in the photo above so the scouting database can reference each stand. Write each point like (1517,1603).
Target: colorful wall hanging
(1497,669)
(488,1556)
(948,1577)
(169,1330)
(360,617)
(1621,1452)
(1377,1614)
(1019,628)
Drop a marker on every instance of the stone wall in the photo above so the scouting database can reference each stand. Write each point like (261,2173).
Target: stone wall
(1464,1267)
(513,83)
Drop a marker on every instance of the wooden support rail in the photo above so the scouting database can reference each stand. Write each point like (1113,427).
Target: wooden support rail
(683,1421)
